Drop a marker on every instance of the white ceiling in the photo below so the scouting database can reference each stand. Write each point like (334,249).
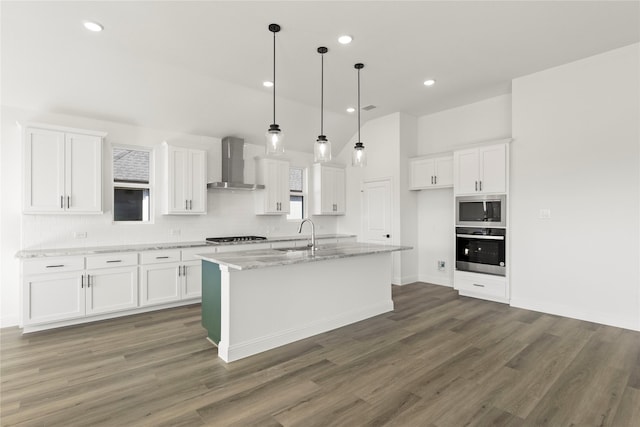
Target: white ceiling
(198,67)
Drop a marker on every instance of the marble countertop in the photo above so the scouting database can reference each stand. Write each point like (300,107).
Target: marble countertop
(56,252)
(262,258)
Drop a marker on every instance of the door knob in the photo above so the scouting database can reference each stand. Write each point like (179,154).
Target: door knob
(386,235)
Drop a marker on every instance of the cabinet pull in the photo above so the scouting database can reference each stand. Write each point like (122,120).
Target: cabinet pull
(476,185)
(435,179)
(432,180)
(162,257)
(55,266)
(478,285)
(179,270)
(480,185)
(68,202)
(61,202)
(190,205)
(115,260)
(186,205)
(88,280)
(184,270)
(82,281)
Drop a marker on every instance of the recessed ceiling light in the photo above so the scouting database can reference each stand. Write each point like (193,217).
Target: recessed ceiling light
(267,84)
(350,110)
(345,39)
(429,82)
(93,26)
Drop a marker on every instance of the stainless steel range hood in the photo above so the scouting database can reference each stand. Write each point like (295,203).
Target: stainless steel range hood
(233,167)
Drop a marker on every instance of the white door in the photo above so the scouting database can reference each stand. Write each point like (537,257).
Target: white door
(198,183)
(177,180)
(376,211)
(465,164)
(83,173)
(111,289)
(493,171)
(192,279)
(44,171)
(159,284)
(52,297)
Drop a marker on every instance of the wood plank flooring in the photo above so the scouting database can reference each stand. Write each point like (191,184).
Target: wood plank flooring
(437,360)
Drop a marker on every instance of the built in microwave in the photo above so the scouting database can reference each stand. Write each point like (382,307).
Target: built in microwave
(481,211)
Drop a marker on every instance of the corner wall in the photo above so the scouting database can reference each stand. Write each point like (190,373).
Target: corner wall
(576,151)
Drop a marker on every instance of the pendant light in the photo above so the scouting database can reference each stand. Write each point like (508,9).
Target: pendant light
(274,136)
(359,158)
(322,147)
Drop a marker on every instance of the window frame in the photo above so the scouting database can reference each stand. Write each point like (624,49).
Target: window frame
(149,186)
(303,193)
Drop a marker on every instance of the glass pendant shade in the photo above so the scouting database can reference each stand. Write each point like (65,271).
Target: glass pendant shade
(322,150)
(359,156)
(275,140)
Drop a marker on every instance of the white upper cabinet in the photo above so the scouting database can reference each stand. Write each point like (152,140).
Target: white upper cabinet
(62,170)
(274,175)
(328,189)
(186,180)
(481,170)
(431,172)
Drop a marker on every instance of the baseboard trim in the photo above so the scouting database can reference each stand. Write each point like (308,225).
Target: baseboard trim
(405,280)
(573,313)
(277,339)
(9,321)
(442,281)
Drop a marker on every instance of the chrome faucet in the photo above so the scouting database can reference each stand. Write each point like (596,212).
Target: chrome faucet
(312,246)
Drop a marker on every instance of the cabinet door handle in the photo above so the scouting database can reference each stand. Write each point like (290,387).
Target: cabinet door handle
(476,185)
(179,270)
(184,270)
(435,179)
(114,260)
(162,257)
(68,202)
(478,285)
(186,205)
(55,266)
(88,280)
(61,202)
(82,281)
(480,185)
(190,205)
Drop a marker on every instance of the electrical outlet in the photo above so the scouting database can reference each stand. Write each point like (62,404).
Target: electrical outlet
(174,232)
(441,265)
(79,234)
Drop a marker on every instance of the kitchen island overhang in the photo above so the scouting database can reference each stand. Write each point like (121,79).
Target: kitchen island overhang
(253,301)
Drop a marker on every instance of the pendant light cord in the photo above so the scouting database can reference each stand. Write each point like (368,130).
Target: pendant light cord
(274,77)
(359,105)
(322,94)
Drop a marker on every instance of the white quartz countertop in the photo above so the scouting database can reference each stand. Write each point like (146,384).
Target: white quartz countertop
(262,258)
(56,252)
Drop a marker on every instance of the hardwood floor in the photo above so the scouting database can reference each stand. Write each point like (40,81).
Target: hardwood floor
(437,360)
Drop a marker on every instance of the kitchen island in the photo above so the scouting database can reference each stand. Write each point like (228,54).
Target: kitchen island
(256,300)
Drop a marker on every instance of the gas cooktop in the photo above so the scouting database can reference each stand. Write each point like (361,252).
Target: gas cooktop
(232,239)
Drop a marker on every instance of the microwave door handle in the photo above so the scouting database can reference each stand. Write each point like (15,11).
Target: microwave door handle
(479,236)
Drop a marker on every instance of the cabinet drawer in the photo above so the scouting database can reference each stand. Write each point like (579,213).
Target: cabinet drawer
(52,265)
(188,254)
(112,260)
(481,284)
(155,257)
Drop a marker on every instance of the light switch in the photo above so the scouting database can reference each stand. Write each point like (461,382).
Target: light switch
(544,213)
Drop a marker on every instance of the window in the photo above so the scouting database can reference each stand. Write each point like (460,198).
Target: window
(131,184)
(297,192)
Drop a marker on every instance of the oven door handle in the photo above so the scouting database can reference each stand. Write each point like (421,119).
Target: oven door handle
(480,236)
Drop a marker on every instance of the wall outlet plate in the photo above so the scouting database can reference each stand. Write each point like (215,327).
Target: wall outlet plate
(441,265)
(79,234)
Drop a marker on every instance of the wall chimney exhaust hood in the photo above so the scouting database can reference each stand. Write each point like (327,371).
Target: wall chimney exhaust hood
(233,167)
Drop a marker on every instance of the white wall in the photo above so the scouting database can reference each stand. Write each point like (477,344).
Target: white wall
(576,151)
(229,213)
(443,132)
(388,142)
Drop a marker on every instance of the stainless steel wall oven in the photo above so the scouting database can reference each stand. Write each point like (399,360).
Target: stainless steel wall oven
(481,250)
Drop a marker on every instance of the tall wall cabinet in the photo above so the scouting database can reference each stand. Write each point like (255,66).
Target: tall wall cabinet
(328,189)
(62,170)
(274,175)
(186,180)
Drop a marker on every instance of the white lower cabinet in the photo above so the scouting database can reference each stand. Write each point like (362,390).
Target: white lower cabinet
(111,289)
(485,286)
(170,276)
(53,297)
